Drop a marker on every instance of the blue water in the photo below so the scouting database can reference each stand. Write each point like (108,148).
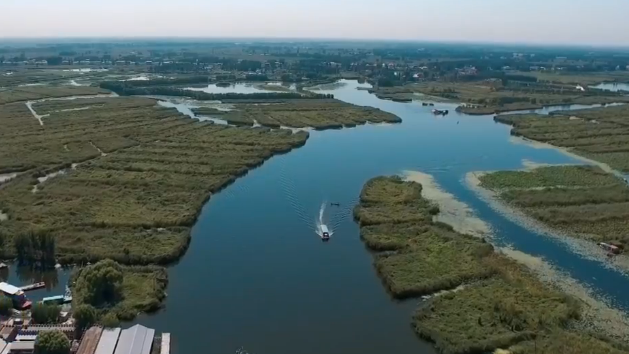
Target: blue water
(257,275)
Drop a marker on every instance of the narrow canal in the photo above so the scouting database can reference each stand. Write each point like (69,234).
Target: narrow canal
(257,276)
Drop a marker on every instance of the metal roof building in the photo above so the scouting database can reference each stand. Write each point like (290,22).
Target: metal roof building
(135,340)
(10,289)
(108,341)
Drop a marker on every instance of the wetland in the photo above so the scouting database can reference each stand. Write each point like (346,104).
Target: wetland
(139,203)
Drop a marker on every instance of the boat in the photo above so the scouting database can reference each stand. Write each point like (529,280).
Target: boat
(611,249)
(440,112)
(325,233)
(16,294)
(335,204)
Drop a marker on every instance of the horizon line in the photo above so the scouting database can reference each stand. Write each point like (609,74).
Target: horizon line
(315,39)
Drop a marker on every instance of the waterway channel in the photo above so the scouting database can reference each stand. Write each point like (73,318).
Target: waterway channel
(257,276)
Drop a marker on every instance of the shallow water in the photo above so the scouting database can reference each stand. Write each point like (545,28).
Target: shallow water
(258,276)
(613,86)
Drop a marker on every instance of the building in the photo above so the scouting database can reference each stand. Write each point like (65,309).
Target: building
(135,340)
(22,347)
(90,340)
(108,341)
(16,294)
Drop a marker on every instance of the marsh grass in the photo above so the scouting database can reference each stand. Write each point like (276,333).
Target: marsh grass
(568,342)
(319,114)
(583,201)
(601,134)
(552,176)
(495,302)
(137,203)
(30,93)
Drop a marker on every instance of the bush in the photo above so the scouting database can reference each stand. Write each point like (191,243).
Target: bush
(52,342)
(6,306)
(110,320)
(85,316)
(45,314)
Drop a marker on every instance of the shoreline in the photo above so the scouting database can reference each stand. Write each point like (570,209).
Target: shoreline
(585,248)
(598,315)
(451,211)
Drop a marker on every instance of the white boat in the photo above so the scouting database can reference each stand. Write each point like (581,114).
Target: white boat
(325,233)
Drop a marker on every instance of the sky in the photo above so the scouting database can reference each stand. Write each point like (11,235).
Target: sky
(589,22)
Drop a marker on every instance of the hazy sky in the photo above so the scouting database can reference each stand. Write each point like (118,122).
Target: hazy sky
(600,22)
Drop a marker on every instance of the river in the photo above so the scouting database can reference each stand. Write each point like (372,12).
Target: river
(257,276)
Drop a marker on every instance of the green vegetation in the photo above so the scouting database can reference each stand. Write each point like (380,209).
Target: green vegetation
(569,342)
(52,342)
(430,257)
(582,201)
(494,303)
(601,134)
(150,171)
(45,314)
(551,176)
(35,249)
(110,320)
(6,306)
(122,291)
(320,114)
(85,316)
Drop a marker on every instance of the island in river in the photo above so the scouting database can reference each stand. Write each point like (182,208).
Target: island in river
(483,301)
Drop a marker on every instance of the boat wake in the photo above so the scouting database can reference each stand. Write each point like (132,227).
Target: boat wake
(321,222)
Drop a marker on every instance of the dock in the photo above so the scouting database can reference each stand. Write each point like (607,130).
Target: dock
(33,286)
(165,347)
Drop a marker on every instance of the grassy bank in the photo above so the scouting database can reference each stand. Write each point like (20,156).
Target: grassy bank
(581,201)
(497,303)
(146,173)
(319,114)
(600,134)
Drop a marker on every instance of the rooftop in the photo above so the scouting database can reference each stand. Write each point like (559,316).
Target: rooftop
(135,340)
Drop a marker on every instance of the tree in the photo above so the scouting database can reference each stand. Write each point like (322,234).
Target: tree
(52,342)
(100,283)
(85,316)
(110,320)
(6,305)
(43,314)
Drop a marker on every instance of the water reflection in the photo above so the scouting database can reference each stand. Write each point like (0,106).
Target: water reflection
(29,275)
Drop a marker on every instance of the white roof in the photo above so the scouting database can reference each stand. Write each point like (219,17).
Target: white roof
(9,289)
(108,340)
(135,340)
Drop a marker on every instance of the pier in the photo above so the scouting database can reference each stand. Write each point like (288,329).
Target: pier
(33,286)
